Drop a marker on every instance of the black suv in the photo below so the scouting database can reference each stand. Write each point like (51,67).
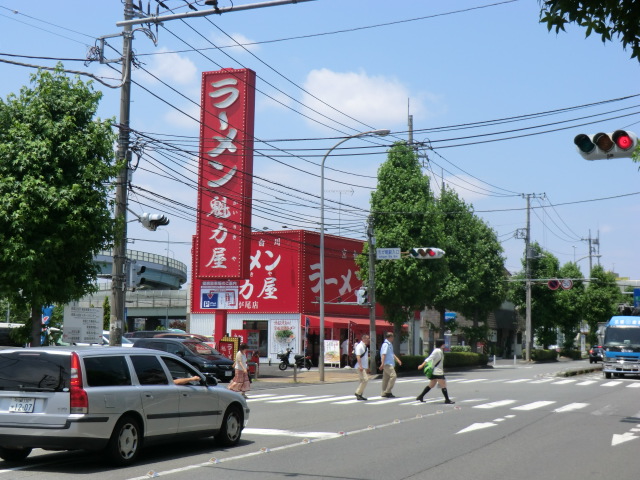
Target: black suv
(596,354)
(195,352)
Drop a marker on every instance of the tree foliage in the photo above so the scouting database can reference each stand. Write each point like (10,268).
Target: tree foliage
(601,300)
(474,284)
(608,18)
(404,216)
(569,304)
(544,265)
(56,163)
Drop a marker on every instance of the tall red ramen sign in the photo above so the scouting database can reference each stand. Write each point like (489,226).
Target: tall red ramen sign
(225,174)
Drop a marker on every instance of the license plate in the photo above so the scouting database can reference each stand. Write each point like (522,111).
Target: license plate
(228,373)
(21,405)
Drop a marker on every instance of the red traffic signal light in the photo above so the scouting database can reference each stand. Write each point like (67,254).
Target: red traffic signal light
(426,253)
(604,146)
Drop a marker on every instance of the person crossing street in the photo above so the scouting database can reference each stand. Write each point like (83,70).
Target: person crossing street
(437,357)
(388,366)
(362,365)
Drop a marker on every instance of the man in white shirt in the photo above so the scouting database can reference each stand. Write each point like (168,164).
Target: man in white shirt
(362,365)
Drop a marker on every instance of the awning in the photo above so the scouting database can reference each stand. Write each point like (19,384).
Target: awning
(345,322)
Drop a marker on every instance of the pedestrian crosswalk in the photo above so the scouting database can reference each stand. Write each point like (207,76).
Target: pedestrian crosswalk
(595,381)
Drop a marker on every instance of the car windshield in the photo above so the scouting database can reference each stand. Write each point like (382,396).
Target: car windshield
(622,336)
(200,348)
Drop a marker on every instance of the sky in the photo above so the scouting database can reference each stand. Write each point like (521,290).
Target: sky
(496,101)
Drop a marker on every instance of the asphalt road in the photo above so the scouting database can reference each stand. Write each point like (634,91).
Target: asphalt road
(518,421)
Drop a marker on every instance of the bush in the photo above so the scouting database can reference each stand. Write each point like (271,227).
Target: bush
(451,360)
(460,348)
(539,355)
(572,354)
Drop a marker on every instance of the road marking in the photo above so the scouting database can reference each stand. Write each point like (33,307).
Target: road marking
(284,398)
(544,380)
(533,406)
(474,380)
(586,382)
(633,385)
(520,380)
(563,382)
(477,426)
(296,399)
(499,403)
(625,437)
(384,400)
(570,407)
(611,384)
(329,399)
(288,433)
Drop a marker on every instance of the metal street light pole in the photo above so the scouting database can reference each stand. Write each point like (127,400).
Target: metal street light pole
(381,133)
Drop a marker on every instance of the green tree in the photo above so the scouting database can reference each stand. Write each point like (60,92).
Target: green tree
(474,284)
(543,316)
(601,300)
(607,18)
(569,305)
(56,165)
(404,216)
(106,314)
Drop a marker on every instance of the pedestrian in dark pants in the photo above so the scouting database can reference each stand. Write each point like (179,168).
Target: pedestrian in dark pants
(437,357)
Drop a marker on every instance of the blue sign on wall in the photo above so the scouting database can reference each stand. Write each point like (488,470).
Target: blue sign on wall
(636,297)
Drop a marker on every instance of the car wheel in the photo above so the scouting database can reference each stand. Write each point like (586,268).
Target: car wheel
(125,442)
(607,374)
(231,427)
(14,454)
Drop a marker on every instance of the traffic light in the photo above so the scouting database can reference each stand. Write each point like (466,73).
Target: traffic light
(604,146)
(426,253)
(138,279)
(151,221)
(362,296)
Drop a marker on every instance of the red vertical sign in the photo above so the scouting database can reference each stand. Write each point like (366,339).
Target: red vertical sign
(225,174)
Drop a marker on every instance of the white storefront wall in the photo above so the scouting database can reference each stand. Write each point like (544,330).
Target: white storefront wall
(234,322)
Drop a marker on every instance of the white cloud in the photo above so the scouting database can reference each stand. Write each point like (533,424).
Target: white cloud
(172,68)
(230,45)
(376,100)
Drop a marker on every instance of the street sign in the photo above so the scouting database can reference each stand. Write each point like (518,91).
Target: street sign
(387,253)
(553,284)
(566,284)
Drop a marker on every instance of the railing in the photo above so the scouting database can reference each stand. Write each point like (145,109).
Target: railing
(151,258)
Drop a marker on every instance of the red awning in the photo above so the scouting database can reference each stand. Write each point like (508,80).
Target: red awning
(345,322)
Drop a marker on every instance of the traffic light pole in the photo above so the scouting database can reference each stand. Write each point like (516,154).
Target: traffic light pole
(372,296)
(119,270)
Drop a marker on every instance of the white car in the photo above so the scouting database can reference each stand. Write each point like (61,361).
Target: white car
(113,399)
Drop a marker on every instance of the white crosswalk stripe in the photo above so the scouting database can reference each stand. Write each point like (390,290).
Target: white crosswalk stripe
(534,405)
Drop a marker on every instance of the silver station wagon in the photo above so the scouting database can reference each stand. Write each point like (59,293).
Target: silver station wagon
(111,398)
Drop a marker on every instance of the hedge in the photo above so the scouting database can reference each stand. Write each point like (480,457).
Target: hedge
(451,360)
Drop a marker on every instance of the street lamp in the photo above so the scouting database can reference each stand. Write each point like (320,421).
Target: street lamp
(380,133)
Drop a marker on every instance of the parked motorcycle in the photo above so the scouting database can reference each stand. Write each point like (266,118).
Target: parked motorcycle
(301,361)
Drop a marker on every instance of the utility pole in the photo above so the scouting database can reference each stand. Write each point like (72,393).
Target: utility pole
(528,257)
(371,241)
(119,269)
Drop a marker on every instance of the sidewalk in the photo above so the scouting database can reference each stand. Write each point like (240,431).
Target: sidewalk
(271,374)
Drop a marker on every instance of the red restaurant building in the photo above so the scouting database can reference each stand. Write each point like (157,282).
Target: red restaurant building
(277,306)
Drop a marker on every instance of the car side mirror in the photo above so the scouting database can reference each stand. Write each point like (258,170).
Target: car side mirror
(211,380)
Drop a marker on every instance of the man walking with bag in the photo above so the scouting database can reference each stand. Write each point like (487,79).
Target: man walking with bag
(437,375)
(362,364)
(388,366)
